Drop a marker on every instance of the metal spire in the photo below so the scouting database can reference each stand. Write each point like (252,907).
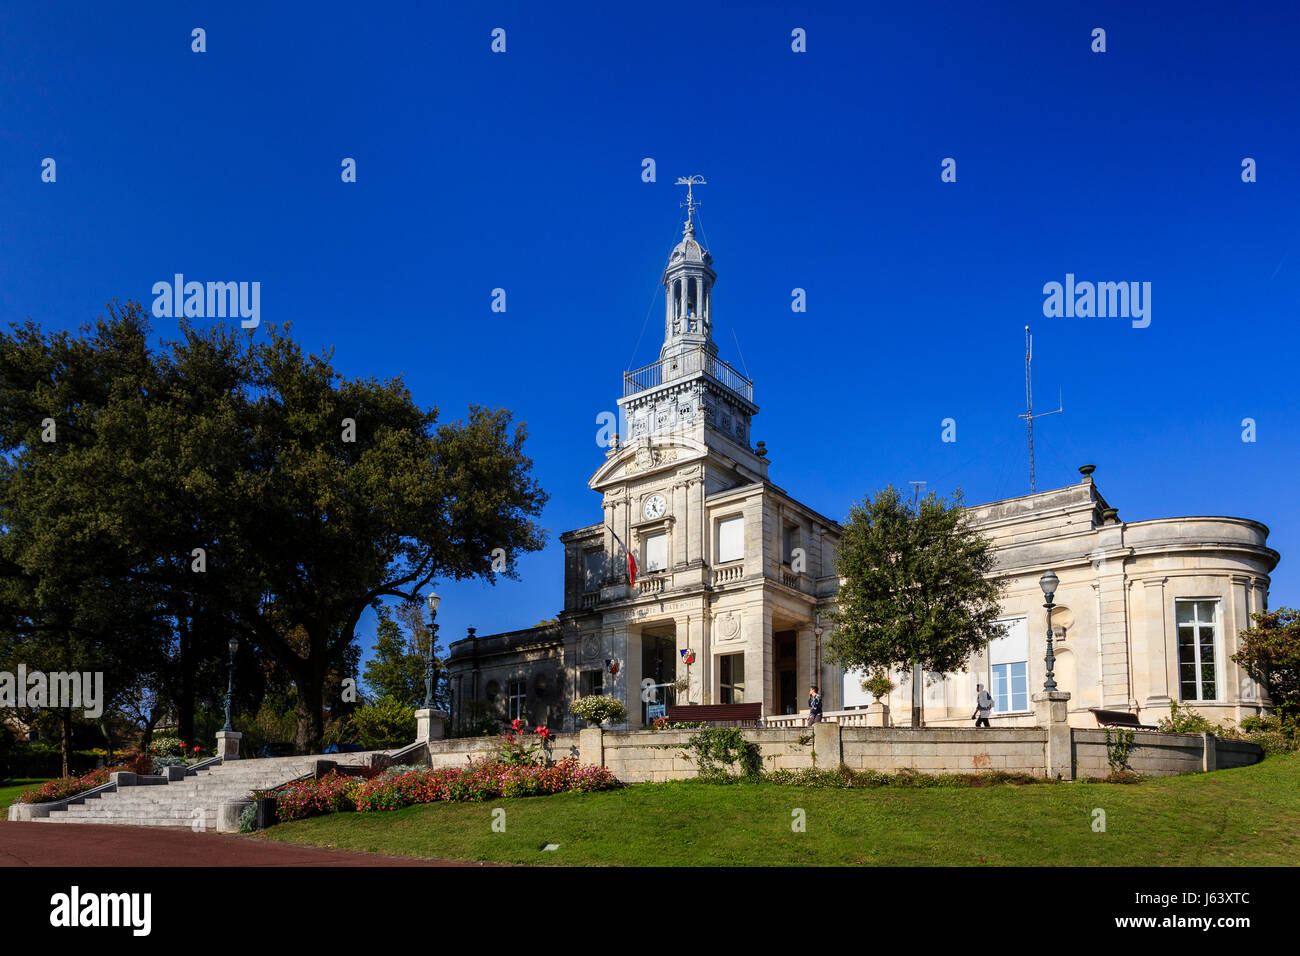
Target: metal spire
(1029,415)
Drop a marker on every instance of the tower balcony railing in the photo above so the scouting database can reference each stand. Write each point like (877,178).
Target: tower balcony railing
(686,363)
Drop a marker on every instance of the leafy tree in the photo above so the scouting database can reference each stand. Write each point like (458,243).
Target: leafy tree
(397,669)
(309,497)
(1270,652)
(383,724)
(917,587)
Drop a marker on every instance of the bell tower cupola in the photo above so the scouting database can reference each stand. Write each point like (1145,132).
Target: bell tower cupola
(688,285)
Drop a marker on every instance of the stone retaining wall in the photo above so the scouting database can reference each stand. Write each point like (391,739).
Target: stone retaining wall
(639,756)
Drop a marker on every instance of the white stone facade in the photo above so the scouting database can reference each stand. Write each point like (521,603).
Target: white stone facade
(738,574)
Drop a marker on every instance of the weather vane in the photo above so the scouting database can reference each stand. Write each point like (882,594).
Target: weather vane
(690,182)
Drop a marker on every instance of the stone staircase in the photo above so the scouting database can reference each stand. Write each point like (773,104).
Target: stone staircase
(194,801)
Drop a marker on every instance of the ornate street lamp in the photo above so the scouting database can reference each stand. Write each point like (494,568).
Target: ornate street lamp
(1048,583)
(434,601)
(230,683)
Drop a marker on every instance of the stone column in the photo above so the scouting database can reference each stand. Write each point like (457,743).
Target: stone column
(1050,709)
(228,744)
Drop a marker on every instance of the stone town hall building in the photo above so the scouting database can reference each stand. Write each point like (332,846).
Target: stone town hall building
(735,577)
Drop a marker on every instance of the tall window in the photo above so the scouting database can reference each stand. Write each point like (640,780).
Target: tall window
(593,570)
(655,552)
(1197,641)
(731,539)
(789,541)
(516,695)
(731,678)
(1009,668)
(593,682)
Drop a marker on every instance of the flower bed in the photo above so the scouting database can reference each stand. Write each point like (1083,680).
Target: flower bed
(484,780)
(64,787)
(330,794)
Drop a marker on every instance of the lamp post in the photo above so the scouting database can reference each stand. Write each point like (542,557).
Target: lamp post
(1048,583)
(230,682)
(434,601)
(817,657)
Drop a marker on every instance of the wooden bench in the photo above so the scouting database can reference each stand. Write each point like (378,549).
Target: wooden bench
(1118,718)
(716,715)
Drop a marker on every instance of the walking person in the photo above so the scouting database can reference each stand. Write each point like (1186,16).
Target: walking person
(983,704)
(814,705)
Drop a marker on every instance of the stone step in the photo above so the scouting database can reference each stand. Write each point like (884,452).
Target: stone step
(208,824)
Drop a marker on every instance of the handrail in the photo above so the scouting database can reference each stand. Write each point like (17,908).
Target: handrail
(683,364)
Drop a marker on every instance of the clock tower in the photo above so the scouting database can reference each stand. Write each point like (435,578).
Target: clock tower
(702,581)
(687,418)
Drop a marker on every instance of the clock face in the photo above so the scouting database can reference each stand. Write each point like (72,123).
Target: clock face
(655,506)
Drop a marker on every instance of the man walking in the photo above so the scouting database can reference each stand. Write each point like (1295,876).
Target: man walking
(814,705)
(983,704)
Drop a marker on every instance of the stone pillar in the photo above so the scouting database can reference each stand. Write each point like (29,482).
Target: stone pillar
(430,724)
(877,714)
(1050,708)
(228,815)
(591,746)
(228,744)
(1157,649)
(827,747)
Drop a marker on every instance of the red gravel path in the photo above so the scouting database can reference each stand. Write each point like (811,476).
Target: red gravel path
(88,844)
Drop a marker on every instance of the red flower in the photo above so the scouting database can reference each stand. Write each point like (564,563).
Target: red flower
(516,723)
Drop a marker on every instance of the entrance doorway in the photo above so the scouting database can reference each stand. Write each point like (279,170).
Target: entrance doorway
(787,672)
(659,665)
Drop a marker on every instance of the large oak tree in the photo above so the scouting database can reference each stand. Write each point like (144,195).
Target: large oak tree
(251,489)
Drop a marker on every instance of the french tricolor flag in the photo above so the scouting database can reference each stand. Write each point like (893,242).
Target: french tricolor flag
(631,561)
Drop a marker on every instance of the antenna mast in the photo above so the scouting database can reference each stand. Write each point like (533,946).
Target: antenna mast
(1029,415)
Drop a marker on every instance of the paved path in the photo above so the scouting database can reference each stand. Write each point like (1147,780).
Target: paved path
(54,844)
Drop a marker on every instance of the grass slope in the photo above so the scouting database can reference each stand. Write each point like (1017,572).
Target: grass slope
(1246,816)
(14,789)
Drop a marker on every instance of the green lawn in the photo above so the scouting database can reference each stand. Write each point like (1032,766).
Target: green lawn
(12,790)
(1248,816)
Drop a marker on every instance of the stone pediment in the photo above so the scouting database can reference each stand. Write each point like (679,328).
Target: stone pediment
(646,457)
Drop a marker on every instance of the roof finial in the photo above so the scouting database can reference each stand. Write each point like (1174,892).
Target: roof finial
(690,182)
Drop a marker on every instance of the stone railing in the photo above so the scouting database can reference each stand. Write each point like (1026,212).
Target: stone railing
(590,600)
(845,718)
(728,573)
(790,578)
(651,585)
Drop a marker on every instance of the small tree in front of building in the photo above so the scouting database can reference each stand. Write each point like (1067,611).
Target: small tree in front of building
(1270,652)
(916,587)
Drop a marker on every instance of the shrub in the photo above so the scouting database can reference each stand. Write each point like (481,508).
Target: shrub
(248,818)
(521,747)
(1184,720)
(382,724)
(598,708)
(716,748)
(845,778)
(158,764)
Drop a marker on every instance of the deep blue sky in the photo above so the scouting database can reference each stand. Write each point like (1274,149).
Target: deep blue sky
(522,171)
